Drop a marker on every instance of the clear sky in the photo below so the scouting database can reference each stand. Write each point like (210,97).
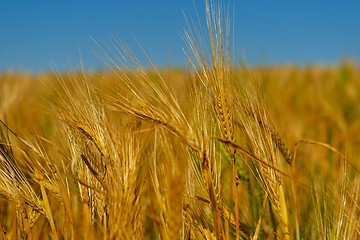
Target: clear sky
(38,35)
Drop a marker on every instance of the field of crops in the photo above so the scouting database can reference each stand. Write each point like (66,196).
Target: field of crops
(220,152)
(81,155)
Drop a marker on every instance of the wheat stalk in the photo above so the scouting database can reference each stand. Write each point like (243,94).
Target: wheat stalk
(213,70)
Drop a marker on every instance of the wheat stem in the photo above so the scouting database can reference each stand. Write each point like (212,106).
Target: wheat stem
(46,205)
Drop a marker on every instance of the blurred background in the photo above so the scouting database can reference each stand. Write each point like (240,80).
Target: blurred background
(37,36)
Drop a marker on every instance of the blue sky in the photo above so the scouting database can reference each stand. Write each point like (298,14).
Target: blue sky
(38,35)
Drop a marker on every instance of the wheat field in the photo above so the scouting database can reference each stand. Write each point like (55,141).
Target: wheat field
(215,152)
